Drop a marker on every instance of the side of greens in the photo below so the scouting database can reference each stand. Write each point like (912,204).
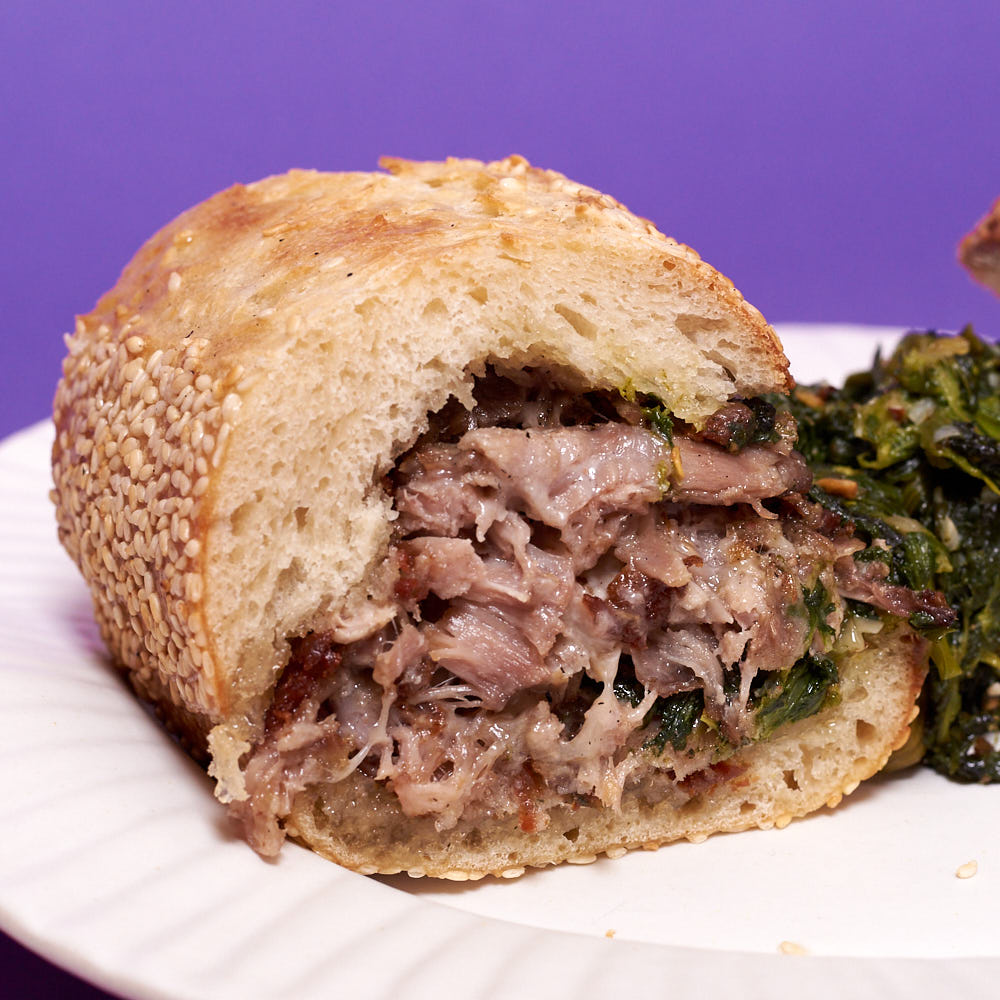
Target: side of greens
(919,433)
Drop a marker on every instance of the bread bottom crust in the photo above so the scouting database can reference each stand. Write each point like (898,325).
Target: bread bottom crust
(359,823)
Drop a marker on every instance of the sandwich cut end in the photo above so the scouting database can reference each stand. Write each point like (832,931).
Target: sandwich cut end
(444,509)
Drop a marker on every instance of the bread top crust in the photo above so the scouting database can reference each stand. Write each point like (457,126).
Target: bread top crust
(979,250)
(234,269)
(228,409)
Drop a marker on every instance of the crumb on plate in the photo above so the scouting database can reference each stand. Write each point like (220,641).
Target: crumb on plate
(967,870)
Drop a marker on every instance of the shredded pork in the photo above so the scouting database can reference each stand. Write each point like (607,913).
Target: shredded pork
(547,547)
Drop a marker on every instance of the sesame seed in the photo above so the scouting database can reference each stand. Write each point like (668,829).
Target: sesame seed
(968,870)
(173,282)
(792,948)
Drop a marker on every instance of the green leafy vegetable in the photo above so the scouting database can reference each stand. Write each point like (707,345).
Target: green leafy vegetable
(786,697)
(661,421)
(919,432)
(818,607)
(675,718)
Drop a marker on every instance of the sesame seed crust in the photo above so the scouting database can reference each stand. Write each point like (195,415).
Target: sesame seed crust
(135,427)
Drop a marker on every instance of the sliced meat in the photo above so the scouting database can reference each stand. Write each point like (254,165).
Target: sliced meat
(866,582)
(711,475)
(553,475)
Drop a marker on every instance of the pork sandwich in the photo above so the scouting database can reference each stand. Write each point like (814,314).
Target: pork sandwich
(979,250)
(442,513)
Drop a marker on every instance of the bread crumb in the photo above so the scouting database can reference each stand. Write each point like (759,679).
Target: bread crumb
(610,933)
(792,948)
(967,870)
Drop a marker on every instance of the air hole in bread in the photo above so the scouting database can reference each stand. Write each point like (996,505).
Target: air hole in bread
(867,734)
(571,835)
(368,307)
(288,577)
(583,326)
(790,781)
(691,324)
(241,518)
(480,294)
(435,309)
(301,517)
(513,259)
(747,807)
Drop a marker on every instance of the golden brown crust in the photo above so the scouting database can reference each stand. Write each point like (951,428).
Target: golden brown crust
(979,251)
(189,486)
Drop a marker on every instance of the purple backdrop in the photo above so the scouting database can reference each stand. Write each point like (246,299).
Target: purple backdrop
(826,157)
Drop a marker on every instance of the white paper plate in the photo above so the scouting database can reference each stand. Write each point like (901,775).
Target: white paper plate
(116,863)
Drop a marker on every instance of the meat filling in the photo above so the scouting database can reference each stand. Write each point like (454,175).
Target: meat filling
(563,569)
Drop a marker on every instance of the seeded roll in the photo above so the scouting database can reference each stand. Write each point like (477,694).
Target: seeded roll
(248,426)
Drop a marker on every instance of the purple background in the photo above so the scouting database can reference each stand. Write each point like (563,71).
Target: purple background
(826,157)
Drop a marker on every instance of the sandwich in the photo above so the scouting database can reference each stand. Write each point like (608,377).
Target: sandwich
(450,515)
(979,250)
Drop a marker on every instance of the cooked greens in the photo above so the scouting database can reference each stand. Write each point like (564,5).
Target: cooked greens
(794,694)
(674,718)
(919,435)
